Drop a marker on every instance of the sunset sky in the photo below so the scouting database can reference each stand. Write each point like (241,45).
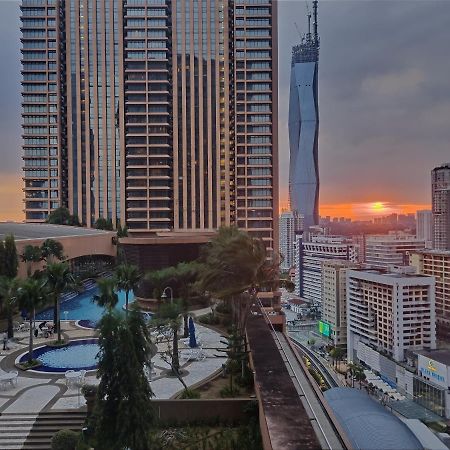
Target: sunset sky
(384,103)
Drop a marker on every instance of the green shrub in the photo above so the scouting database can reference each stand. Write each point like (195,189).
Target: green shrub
(190,393)
(247,380)
(223,308)
(226,392)
(65,440)
(209,319)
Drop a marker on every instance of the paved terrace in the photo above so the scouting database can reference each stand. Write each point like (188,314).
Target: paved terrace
(39,391)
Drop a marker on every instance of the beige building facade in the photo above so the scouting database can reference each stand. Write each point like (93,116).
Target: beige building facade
(334,290)
(159,115)
(436,263)
(390,311)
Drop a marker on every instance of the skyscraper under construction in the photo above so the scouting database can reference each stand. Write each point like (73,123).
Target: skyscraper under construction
(304,125)
(160,115)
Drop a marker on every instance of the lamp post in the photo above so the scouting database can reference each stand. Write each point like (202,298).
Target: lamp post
(164,295)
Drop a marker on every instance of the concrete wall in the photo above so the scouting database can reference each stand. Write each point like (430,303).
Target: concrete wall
(202,409)
(74,247)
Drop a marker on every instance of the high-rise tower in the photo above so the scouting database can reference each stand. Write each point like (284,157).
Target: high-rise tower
(304,126)
(440,192)
(160,115)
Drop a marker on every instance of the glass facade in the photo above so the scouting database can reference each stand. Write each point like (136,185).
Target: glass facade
(304,129)
(429,395)
(171,113)
(43,112)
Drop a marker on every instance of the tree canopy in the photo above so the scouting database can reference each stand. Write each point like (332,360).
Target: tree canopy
(104,224)
(10,259)
(124,394)
(62,216)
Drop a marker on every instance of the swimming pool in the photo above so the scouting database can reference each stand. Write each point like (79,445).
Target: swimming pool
(80,354)
(83,307)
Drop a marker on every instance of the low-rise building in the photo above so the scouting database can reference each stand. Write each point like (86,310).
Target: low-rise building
(432,383)
(390,311)
(81,246)
(334,308)
(383,251)
(310,258)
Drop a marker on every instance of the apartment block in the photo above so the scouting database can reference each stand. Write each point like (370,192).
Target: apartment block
(334,303)
(160,115)
(383,251)
(390,311)
(424,226)
(436,263)
(310,257)
(290,224)
(440,201)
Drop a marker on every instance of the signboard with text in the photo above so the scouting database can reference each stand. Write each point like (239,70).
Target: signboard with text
(324,329)
(433,370)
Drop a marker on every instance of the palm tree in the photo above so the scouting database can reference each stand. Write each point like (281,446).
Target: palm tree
(8,294)
(52,250)
(31,294)
(356,372)
(58,279)
(360,375)
(107,296)
(169,314)
(232,264)
(31,254)
(336,354)
(127,279)
(185,275)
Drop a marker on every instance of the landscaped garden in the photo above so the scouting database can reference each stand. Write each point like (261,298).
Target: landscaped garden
(222,283)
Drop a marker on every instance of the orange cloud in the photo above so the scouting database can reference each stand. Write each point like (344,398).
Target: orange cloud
(11,198)
(368,210)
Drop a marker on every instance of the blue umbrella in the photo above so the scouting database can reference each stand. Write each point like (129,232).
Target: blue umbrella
(192,340)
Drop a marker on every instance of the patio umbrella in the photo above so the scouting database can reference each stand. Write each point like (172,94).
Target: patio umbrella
(192,340)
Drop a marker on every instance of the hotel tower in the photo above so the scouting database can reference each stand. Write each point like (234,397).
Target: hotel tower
(160,115)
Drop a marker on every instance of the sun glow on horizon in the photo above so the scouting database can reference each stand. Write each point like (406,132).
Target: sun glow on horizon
(378,207)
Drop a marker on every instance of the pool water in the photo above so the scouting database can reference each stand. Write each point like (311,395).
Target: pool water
(78,355)
(83,307)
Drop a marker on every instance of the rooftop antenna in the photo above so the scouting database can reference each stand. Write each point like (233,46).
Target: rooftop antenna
(316,33)
(298,30)
(308,12)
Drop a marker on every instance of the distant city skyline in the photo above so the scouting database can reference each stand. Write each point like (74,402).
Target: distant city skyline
(383,111)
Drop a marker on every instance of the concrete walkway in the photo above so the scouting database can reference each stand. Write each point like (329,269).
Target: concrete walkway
(39,391)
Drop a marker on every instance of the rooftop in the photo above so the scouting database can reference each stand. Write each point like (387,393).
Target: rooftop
(283,410)
(439,355)
(390,274)
(24,231)
(368,424)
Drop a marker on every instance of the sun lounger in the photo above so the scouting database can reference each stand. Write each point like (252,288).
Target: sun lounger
(8,378)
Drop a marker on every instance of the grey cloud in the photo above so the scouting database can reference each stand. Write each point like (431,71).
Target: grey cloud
(384,95)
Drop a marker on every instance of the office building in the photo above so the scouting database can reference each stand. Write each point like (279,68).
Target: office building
(440,201)
(383,251)
(389,311)
(310,258)
(424,227)
(160,115)
(290,224)
(334,303)
(436,263)
(304,126)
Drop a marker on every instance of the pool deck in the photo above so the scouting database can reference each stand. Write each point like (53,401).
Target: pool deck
(39,391)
